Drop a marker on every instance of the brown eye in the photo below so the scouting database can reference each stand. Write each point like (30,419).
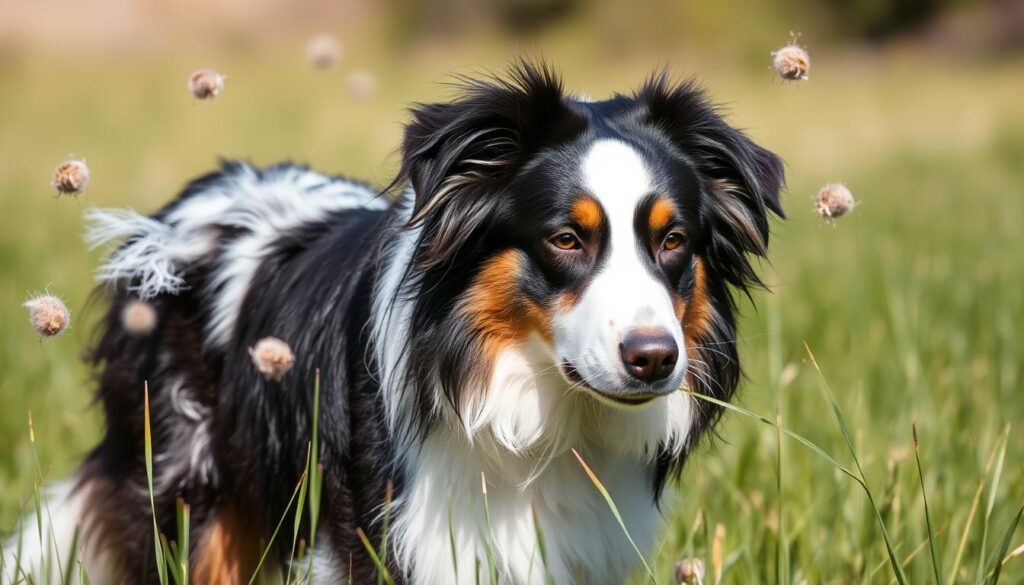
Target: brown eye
(566,241)
(673,240)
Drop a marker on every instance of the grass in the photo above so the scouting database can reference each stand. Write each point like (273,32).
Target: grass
(911,305)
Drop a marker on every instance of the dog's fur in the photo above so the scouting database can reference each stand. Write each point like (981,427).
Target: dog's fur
(468,332)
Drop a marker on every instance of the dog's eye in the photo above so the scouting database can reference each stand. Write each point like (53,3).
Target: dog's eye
(566,241)
(673,240)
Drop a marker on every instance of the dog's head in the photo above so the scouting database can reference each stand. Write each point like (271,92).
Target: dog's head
(566,248)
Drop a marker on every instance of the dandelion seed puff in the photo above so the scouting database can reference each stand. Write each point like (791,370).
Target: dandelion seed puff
(205,83)
(362,85)
(71,177)
(48,315)
(792,62)
(138,318)
(833,201)
(272,357)
(323,51)
(690,571)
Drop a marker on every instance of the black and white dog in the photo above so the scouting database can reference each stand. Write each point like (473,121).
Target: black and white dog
(553,273)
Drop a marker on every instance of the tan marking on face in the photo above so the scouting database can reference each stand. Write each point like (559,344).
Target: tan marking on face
(697,312)
(227,550)
(499,313)
(678,305)
(567,300)
(661,215)
(586,211)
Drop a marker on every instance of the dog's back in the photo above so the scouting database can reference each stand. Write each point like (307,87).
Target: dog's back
(216,266)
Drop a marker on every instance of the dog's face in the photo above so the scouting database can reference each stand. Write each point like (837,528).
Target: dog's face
(604,233)
(601,259)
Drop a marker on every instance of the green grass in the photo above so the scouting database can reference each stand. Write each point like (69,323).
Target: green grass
(912,305)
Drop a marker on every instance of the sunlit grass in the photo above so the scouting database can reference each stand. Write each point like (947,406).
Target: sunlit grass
(912,304)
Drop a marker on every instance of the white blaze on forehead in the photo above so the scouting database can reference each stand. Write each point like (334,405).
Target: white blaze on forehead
(625,293)
(616,175)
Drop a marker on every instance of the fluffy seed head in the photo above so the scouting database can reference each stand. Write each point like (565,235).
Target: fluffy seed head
(362,85)
(792,62)
(690,571)
(48,315)
(138,318)
(323,51)
(205,83)
(834,200)
(272,357)
(71,177)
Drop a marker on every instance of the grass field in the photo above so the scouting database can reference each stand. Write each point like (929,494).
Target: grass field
(912,306)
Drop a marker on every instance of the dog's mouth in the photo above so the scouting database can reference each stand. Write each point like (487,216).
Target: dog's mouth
(574,377)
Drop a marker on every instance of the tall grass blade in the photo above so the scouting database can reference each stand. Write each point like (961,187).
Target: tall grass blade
(373,556)
(389,491)
(993,490)
(971,513)
(169,556)
(69,570)
(791,434)
(906,560)
(927,513)
(1017,552)
(775,375)
(184,511)
(1004,548)
(492,564)
(615,512)
(161,565)
(451,539)
(41,505)
(45,561)
(542,546)
(837,414)
(299,507)
(315,475)
(273,536)
(83,576)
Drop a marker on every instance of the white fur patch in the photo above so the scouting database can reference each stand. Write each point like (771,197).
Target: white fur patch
(261,206)
(44,556)
(392,314)
(581,535)
(328,567)
(187,456)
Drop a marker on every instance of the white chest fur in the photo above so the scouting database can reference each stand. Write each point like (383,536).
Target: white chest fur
(443,500)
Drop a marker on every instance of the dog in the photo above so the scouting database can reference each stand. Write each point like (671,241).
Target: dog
(547,274)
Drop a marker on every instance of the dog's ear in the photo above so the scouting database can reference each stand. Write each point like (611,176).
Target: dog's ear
(744,181)
(458,156)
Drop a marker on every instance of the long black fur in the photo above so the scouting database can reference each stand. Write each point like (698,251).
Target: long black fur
(476,165)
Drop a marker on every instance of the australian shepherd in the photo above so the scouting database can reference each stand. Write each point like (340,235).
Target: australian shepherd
(546,273)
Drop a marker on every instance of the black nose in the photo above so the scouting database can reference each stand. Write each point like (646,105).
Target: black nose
(649,355)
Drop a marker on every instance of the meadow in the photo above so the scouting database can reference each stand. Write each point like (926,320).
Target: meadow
(911,306)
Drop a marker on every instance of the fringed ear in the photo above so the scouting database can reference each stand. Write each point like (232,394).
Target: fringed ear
(459,156)
(744,180)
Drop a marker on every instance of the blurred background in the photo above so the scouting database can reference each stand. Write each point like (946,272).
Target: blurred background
(912,304)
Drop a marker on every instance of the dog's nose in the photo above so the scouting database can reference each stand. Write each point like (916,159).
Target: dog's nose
(649,355)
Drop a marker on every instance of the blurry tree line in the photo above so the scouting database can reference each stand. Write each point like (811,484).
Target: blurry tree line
(871,21)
